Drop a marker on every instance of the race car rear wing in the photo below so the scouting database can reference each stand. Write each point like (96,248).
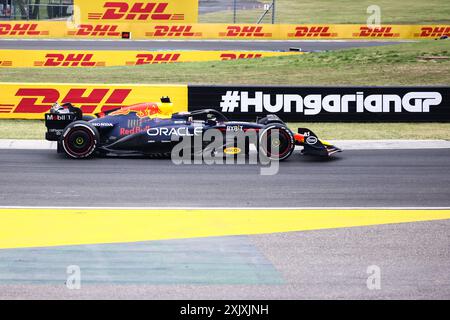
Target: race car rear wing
(59,118)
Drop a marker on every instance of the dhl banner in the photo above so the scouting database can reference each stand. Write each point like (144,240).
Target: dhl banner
(33,29)
(155,11)
(33,100)
(98,58)
(140,30)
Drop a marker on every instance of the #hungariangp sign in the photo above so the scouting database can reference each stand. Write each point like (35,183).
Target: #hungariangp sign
(364,104)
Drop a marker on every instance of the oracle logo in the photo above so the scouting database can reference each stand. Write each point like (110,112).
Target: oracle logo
(245,31)
(141,11)
(40,100)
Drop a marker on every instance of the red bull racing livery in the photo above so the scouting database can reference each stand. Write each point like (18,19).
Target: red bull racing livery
(151,129)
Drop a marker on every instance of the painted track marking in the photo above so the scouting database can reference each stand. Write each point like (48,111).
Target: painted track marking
(31,227)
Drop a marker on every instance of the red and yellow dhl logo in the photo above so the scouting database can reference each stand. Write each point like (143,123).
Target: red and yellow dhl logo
(6,108)
(6,63)
(312,32)
(173,31)
(245,32)
(433,32)
(40,100)
(382,32)
(233,56)
(148,58)
(69,60)
(95,30)
(142,11)
(21,29)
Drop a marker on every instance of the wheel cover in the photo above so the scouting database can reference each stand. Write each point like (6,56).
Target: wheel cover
(79,142)
(282,142)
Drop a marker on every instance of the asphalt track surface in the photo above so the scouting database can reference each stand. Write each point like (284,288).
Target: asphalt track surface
(307,45)
(358,178)
(325,264)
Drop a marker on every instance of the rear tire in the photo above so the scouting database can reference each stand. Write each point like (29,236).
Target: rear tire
(80,139)
(268,140)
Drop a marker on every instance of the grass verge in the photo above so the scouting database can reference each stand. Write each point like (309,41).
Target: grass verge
(35,130)
(402,64)
(342,11)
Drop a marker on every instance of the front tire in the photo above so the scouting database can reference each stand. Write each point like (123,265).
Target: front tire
(276,142)
(80,139)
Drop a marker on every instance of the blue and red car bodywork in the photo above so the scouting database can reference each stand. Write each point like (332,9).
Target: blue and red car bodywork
(148,129)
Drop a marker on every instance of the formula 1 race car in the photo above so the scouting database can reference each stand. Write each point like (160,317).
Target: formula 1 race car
(148,129)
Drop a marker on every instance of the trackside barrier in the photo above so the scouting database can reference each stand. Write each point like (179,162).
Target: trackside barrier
(32,100)
(299,104)
(87,58)
(139,30)
(333,104)
(156,11)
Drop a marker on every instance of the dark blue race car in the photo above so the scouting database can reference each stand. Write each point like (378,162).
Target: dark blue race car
(149,129)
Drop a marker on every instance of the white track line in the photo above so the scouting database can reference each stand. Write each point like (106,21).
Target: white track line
(343,144)
(225,208)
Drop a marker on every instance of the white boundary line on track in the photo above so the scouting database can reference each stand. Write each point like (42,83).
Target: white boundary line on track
(11,144)
(226,208)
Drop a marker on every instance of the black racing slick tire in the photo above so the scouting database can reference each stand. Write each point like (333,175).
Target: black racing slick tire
(276,142)
(80,139)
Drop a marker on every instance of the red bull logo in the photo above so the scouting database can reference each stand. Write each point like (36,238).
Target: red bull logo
(125,131)
(142,110)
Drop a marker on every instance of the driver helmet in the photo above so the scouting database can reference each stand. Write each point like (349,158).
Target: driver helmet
(165,109)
